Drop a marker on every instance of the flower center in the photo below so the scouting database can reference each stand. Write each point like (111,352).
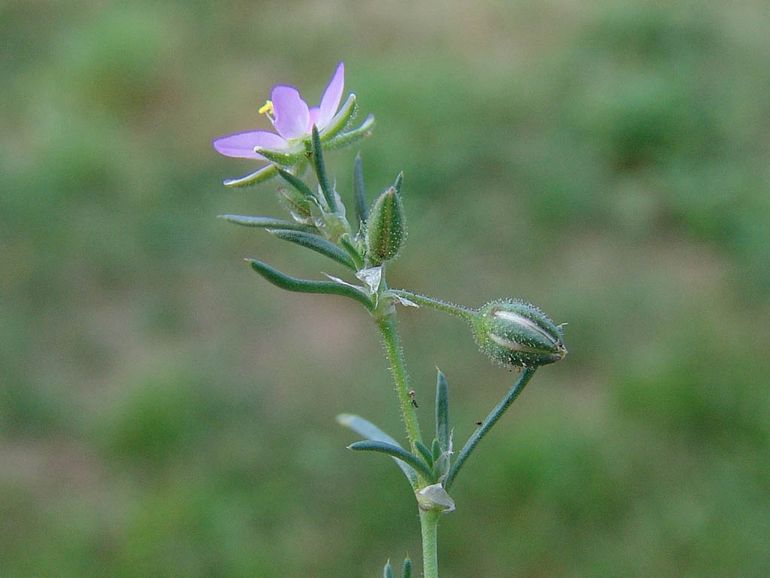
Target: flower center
(267,109)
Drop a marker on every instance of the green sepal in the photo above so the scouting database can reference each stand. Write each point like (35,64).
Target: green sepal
(399,182)
(352,136)
(364,427)
(309,286)
(387,572)
(424,452)
(265,223)
(367,429)
(395,452)
(259,176)
(316,243)
(341,119)
(286,159)
(406,569)
(320,170)
(362,209)
(295,182)
(442,411)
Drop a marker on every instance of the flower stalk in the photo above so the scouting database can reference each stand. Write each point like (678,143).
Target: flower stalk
(493,417)
(437,304)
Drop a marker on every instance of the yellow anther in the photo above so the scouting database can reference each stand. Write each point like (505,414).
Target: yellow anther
(267,108)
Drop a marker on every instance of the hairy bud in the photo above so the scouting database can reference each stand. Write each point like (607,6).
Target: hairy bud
(518,333)
(386,227)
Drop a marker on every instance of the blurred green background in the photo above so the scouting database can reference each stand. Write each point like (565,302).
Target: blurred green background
(164,412)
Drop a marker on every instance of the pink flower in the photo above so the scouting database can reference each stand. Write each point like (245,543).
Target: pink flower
(292,119)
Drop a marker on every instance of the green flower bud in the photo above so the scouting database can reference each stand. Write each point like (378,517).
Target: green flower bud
(517,333)
(385,230)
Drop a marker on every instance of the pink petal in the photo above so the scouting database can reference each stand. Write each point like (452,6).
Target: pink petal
(291,112)
(332,96)
(314,111)
(241,144)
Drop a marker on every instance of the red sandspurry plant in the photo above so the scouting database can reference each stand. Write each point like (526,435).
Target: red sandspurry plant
(510,331)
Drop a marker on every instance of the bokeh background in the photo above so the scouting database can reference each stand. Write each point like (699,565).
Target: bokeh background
(164,412)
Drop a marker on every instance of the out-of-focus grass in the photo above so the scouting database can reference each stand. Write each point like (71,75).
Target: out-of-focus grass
(165,413)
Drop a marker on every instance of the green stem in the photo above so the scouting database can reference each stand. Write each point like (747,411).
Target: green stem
(395,355)
(456,310)
(429,526)
(491,420)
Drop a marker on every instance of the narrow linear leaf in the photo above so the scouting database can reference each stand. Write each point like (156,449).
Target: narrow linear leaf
(436,449)
(362,210)
(352,136)
(259,176)
(367,429)
(406,569)
(265,223)
(441,466)
(442,411)
(295,182)
(424,452)
(396,452)
(316,243)
(387,572)
(320,171)
(308,286)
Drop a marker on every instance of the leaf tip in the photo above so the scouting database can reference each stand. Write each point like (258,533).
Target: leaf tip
(343,419)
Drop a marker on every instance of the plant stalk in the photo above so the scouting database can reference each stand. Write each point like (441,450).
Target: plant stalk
(429,526)
(395,354)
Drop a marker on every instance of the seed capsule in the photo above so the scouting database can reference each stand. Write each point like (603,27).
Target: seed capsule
(386,228)
(518,333)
